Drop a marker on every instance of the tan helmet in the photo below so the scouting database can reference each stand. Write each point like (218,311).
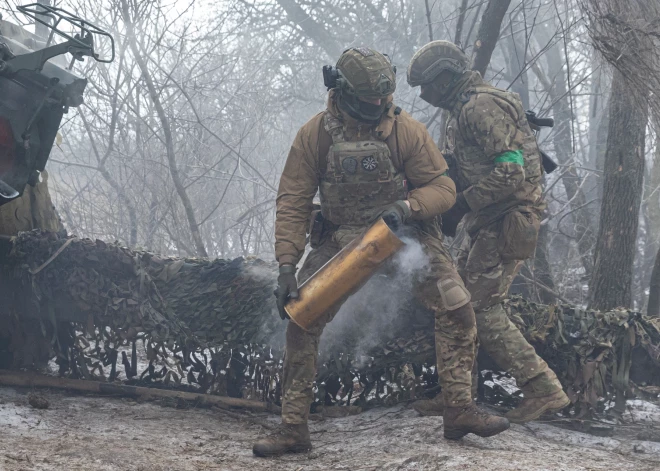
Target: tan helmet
(434,58)
(364,73)
(367,72)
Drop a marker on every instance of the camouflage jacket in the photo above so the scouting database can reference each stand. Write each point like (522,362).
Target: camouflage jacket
(412,151)
(499,163)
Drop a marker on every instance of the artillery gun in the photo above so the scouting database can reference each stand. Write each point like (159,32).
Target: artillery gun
(37,87)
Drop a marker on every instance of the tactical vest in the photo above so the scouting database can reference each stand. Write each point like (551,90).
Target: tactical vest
(473,163)
(359,178)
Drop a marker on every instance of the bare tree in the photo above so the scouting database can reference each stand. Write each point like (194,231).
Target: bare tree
(563,139)
(654,291)
(167,131)
(623,26)
(311,27)
(489,33)
(234,80)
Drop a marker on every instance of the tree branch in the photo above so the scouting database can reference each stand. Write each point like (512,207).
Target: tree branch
(169,142)
(488,34)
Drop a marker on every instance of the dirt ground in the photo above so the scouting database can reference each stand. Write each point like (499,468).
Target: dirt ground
(104,433)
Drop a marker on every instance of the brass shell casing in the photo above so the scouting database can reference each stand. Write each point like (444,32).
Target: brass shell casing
(343,275)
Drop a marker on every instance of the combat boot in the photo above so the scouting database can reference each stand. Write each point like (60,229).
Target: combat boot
(430,407)
(288,438)
(459,421)
(531,408)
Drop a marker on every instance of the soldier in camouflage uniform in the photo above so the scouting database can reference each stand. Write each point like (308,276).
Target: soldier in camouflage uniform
(498,179)
(368,159)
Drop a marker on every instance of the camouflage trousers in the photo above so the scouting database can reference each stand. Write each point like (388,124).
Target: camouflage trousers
(439,286)
(488,275)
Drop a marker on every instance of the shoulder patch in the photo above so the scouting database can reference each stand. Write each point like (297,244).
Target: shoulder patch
(478,101)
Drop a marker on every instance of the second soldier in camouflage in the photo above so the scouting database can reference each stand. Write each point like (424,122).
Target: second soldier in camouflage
(499,192)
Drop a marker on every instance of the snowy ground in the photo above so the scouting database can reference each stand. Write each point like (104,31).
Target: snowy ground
(103,433)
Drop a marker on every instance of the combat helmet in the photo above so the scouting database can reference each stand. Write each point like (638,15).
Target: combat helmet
(364,73)
(433,59)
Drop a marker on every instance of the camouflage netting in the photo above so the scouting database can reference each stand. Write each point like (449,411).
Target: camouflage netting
(104,311)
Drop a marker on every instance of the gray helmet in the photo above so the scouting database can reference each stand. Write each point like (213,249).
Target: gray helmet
(364,73)
(434,58)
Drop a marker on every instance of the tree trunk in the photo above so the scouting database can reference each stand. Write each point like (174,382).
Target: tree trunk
(460,23)
(542,270)
(651,208)
(598,123)
(488,34)
(611,284)
(169,142)
(654,290)
(442,125)
(515,59)
(32,210)
(312,29)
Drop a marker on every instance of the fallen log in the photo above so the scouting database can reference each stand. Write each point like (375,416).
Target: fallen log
(33,380)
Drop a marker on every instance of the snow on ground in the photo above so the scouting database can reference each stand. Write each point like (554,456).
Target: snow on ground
(642,412)
(104,433)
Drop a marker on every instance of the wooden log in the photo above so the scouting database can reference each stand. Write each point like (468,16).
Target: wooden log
(31,380)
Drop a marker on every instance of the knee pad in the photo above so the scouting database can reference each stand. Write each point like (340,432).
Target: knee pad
(454,294)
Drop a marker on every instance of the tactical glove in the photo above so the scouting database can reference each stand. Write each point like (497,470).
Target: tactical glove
(287,287)
(396,214)
(451,218)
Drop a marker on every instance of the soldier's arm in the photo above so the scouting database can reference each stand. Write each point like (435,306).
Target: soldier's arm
(434,192)
(298,185)
(490,125)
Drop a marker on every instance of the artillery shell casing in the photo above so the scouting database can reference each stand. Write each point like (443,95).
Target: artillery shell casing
(343,275)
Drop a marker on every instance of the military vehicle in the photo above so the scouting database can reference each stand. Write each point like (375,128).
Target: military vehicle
(37,88)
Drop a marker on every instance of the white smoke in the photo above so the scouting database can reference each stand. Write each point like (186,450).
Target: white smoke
(375,311)
(378,303)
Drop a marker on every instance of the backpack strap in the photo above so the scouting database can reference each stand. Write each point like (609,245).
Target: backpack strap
(462,99)
(323,143)
(334,127)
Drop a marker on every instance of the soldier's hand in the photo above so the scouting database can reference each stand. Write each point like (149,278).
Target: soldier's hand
(396,214)
(452,218)
(287,287)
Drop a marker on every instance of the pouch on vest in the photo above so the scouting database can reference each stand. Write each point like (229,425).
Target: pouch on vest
(519,235)
(316,229)
(360,179)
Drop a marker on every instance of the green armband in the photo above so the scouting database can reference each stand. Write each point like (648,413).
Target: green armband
(513,156)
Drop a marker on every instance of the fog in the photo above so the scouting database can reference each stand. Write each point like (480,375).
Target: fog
(182,139)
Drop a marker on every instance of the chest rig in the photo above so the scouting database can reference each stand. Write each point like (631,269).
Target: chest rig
(359,178)
(472,161)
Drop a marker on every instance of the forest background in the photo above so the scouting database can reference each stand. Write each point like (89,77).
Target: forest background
(181,141)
